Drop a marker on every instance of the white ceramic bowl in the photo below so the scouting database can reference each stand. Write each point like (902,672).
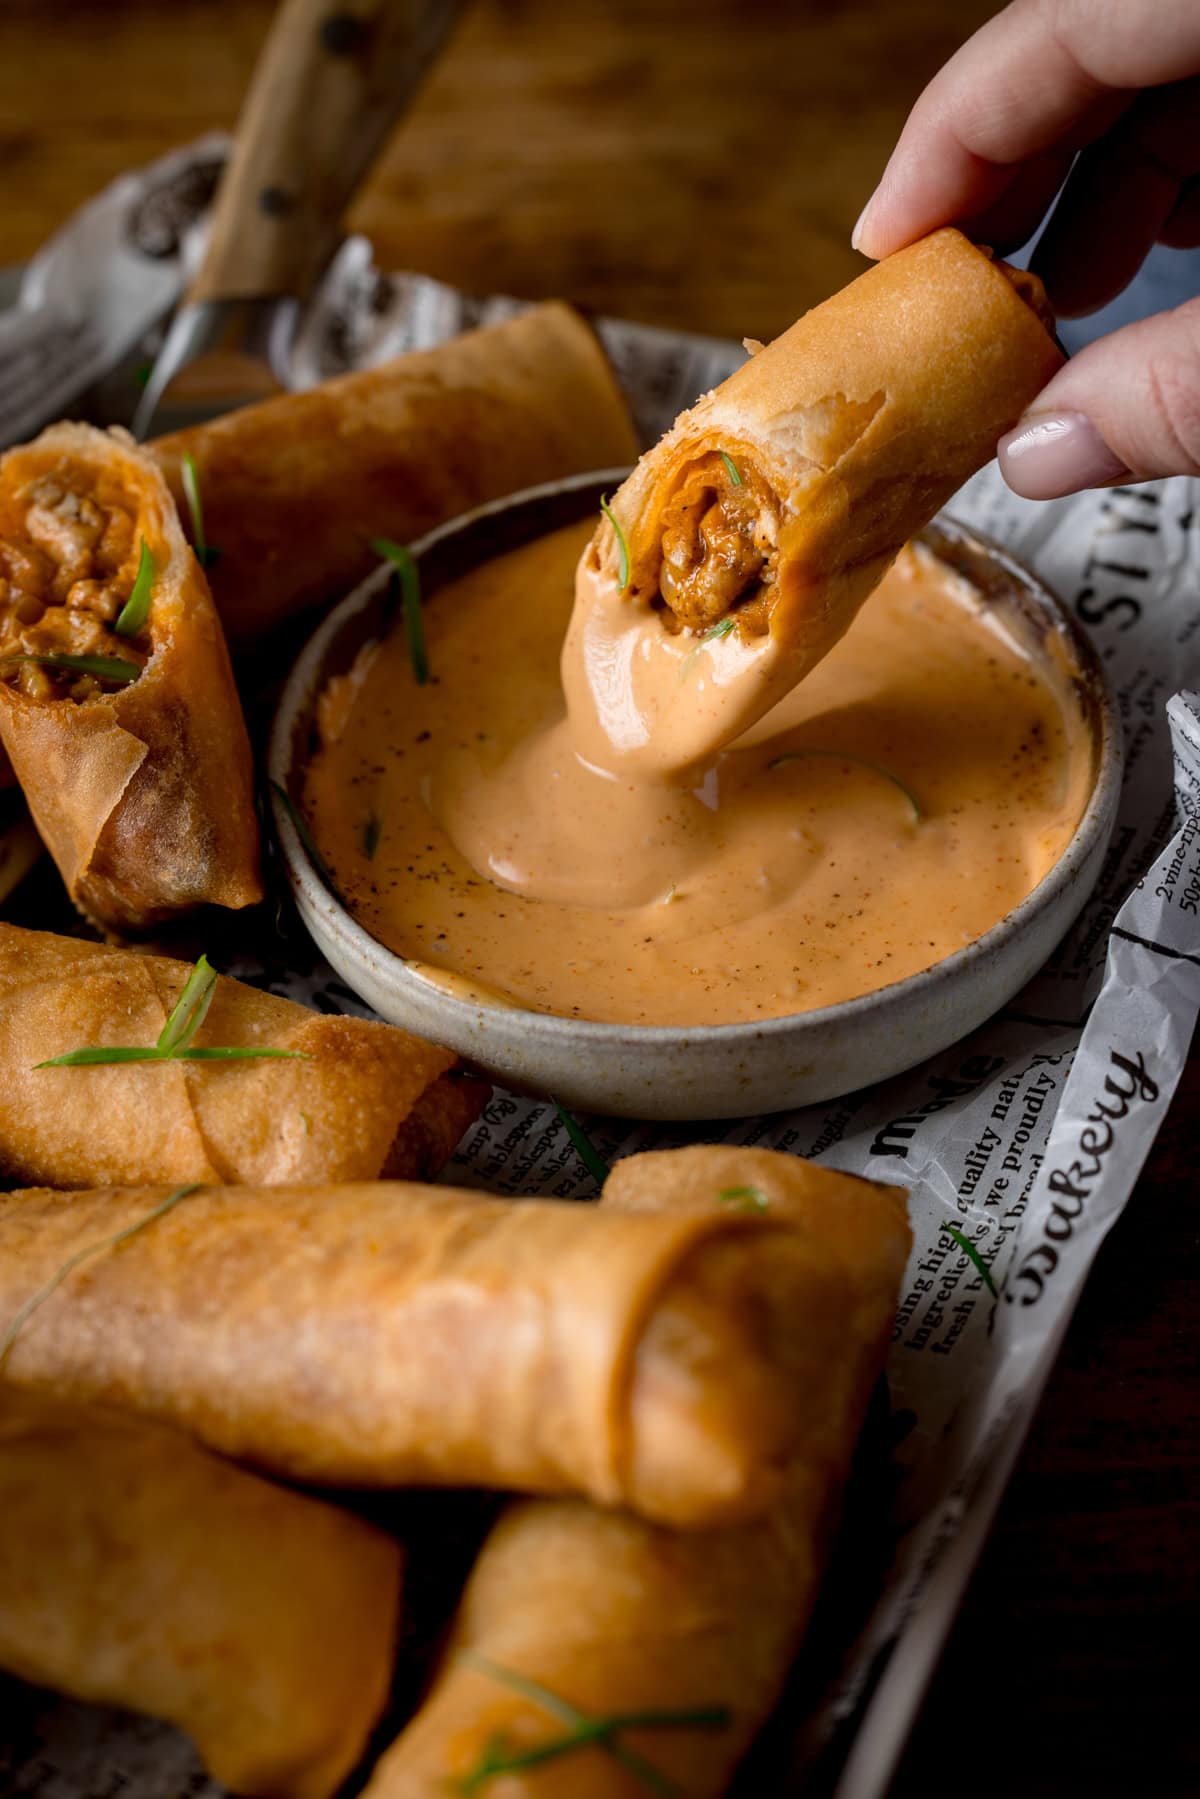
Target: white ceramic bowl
(673,1072)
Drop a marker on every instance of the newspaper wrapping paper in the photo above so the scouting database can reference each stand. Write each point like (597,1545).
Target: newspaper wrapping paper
(1020,1145)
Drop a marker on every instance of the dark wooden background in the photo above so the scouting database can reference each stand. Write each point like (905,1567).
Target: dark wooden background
(701,165)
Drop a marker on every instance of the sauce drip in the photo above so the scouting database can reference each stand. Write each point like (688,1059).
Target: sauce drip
(913,789)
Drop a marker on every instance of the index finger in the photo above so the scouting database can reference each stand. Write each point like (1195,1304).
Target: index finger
(1042,76)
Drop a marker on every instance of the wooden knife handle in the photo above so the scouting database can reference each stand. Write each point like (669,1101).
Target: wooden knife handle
(333,78)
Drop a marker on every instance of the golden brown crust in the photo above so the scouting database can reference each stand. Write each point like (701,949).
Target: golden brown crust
(294,489)
(138,1570)
(615,1615)
(393,1334)
(332,1116)
(143,793)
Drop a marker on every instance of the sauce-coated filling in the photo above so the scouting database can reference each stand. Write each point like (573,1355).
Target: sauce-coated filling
(915,787)
(720,535)
(68,559)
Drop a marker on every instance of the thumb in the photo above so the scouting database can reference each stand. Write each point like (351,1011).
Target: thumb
(1127,408)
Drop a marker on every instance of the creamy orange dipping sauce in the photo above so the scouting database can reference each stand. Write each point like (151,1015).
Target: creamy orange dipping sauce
(911,791)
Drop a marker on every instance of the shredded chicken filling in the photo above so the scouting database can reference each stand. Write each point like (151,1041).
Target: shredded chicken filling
(67,566)
(719,544)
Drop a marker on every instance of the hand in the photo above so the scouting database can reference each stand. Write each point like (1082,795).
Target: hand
(987,146)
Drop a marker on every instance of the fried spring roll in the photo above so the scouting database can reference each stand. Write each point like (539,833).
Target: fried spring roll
(772,508)
(361,1100)
(133,753)
(615,1616)
(293,490)
(138,1570)
(400,1335)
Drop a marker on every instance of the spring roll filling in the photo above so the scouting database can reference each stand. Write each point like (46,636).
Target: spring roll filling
(69,553)
(719,549)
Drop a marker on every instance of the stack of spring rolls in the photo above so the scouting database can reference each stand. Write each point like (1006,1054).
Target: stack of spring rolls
(675,1379)
(216,1319)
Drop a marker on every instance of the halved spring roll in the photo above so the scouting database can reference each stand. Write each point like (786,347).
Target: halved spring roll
(395,1335)
(118,708)
(136,1569)
(612,1617)
(292,491)
(771,509)
(359,1099)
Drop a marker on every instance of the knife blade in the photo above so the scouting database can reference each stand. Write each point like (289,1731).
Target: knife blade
(333,78)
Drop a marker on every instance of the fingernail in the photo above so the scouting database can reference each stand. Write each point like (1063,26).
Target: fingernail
(1056,453)
(857,234)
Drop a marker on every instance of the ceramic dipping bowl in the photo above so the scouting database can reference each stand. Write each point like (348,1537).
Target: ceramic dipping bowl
(720,1071)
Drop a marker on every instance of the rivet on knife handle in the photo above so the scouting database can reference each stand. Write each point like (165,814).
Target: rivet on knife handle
(332,80)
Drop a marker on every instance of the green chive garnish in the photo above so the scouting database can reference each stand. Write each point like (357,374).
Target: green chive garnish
(370,837)
(730,470)
(586,1150)
(175,1039)
(187,1014)
(973,1255)
(93,1056)
(410,598)
(133,615)
(860,762)
(623,547)
(105,668)
(206,553)
(722,628)
(83,1255)
(303,833)
(583,1731)
(304,1119)
(746,1199)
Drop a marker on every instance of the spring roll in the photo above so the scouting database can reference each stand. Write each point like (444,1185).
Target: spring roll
(772,508)
(360,1100)
(612,1615)
(138,1570)
(404,1335)
(293,490)
(133,754)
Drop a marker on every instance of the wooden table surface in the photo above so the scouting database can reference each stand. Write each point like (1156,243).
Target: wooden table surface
(701,165)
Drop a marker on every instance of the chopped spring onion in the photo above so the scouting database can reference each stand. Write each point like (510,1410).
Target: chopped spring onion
(206,553)
(586,1150)
(409,578)
(973,1255)
(133,615)
(83,1255)
(859,762)
(622,546)
(105,668)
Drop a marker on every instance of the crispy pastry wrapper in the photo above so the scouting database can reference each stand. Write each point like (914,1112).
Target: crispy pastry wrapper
(393,1335)
(136,1569)
(362,1099)
(293,490)
(844,437)
(615,1615)
(142,793)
